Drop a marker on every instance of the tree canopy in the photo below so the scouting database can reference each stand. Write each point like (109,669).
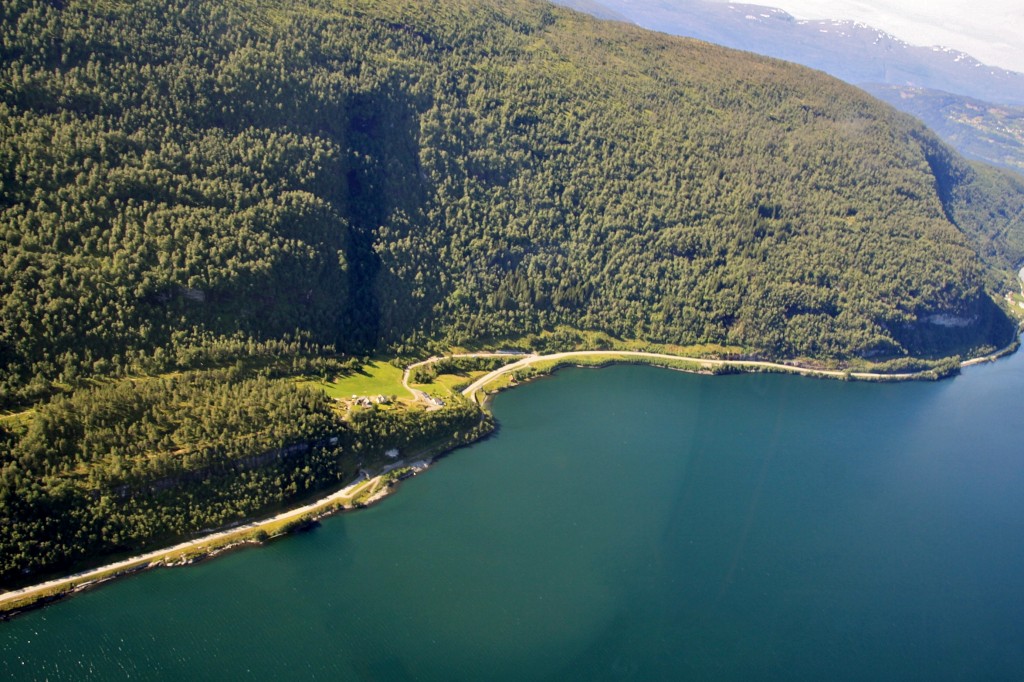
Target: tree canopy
(376,173)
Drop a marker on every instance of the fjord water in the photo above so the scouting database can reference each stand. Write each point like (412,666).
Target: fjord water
(627,523)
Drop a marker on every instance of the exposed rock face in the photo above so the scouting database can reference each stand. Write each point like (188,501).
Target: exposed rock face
(948,320)
(959,330)
(197,295)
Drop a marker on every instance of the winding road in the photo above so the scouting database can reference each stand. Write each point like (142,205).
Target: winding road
(420,395)
(704,362)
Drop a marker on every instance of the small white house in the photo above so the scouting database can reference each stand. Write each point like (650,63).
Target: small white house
(392,453)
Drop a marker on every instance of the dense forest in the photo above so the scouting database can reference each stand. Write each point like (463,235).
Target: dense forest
(375,174)
(129,463)
(200,198)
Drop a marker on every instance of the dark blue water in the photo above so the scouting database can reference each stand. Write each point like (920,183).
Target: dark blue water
(626,523)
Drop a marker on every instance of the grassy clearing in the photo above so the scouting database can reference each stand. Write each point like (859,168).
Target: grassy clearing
(449,384)
(17,420)
(376,378)
(1016,302)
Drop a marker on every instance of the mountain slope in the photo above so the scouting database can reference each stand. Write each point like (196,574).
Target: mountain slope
(367,174)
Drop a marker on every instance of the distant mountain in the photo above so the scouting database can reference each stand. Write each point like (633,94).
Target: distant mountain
(851,51)
(982,130)
(970,105)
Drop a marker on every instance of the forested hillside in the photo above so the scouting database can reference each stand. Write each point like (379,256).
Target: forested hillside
(210,192)
(370,173)
(117,467)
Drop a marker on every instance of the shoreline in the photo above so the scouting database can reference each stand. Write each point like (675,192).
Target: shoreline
(380,485)
(257,532)
(709,365)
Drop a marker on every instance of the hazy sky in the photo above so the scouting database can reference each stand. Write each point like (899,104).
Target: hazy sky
(990,30)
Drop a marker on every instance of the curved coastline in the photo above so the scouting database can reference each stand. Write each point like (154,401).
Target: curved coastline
(710,365)
(362,492)
(370,489)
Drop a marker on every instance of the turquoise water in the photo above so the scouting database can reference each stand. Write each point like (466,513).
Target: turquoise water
(627,523)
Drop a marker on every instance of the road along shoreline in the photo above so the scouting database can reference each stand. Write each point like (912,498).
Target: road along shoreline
(711,364)
(373,488)
(365,490)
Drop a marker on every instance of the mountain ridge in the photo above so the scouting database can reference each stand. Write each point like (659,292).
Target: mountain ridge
(988,132)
